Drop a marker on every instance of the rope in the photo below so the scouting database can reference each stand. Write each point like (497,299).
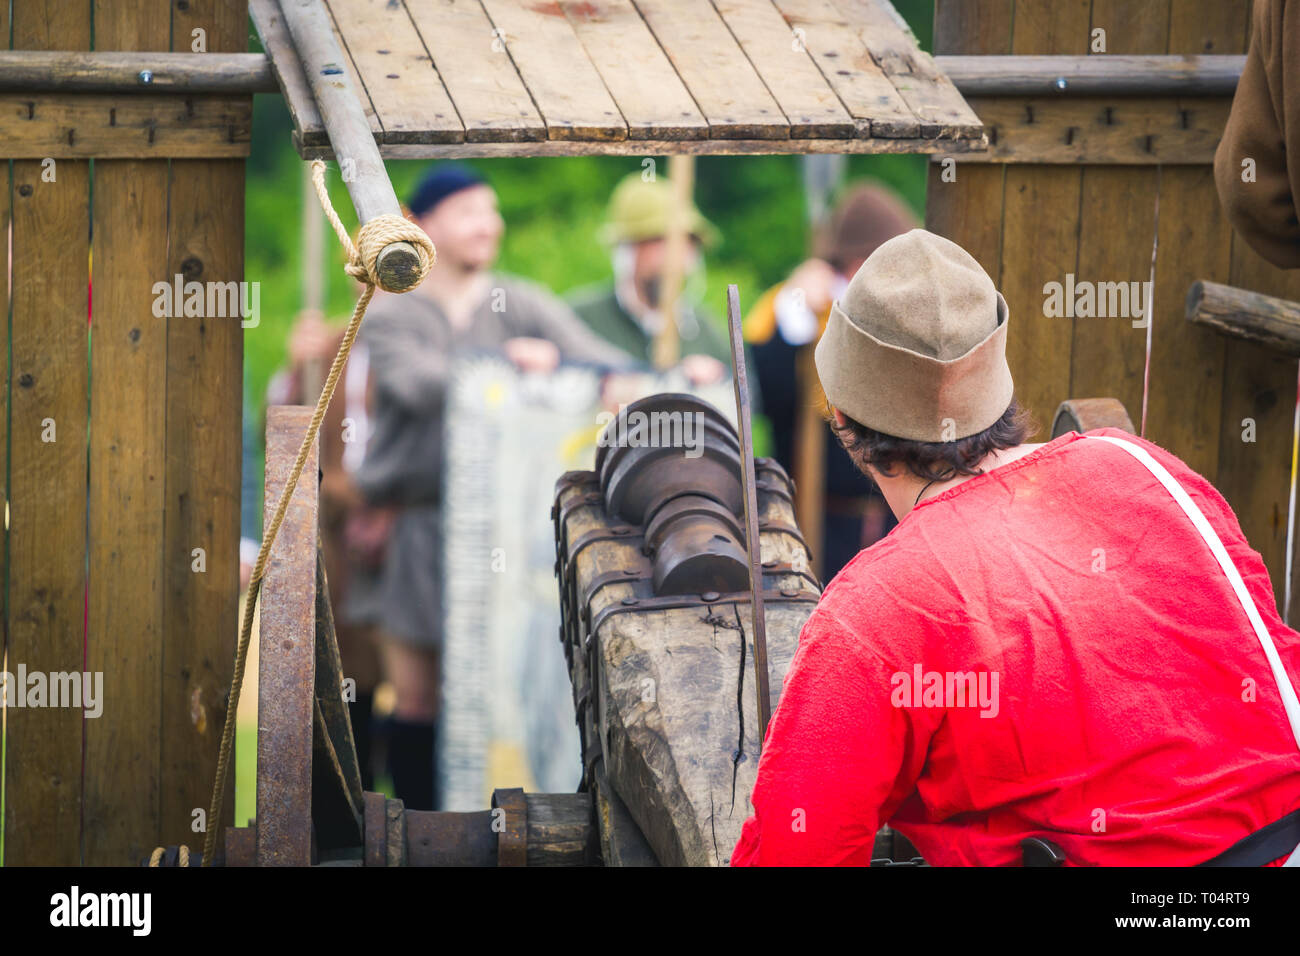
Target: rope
(362,258)
(182,856)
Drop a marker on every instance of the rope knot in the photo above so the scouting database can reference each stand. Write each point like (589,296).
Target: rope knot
(373,238)
(378,234)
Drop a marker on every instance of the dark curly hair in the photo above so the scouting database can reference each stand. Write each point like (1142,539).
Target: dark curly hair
(932,460)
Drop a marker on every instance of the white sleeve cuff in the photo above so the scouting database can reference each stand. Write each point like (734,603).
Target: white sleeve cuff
(797,324)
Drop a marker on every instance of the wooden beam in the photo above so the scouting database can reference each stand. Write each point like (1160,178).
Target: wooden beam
(129,72)
(1097,131)
(656,147)
(109,126)
(1242,314)
(1109,75)
(336,97)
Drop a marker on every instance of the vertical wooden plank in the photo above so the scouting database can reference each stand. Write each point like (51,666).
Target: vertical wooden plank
(127,466)
(965,203)
(5,184)
(47,488)
(1255,440)
(204,449)
(1185,395)
(1041,228)
(1189,363)
(1108,355)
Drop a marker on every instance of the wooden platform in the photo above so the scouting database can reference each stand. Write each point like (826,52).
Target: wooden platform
(473,78)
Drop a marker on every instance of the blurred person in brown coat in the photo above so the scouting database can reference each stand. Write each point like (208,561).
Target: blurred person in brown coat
(1257,164)
(463,307)
(839,510)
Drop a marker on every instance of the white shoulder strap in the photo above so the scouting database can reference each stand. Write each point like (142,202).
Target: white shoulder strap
(1284,686)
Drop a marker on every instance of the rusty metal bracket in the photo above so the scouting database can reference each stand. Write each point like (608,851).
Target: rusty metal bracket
(287,651)
(583,541)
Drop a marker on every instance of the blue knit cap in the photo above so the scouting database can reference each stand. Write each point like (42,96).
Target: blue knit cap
(439,183)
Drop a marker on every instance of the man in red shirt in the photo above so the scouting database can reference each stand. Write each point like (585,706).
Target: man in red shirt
(1071,641)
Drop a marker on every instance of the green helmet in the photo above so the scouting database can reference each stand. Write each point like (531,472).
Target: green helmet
(639,210)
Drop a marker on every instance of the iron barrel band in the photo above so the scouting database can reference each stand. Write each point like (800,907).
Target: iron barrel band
(709,599)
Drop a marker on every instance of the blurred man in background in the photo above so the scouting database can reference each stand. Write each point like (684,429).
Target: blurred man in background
(627,310)
(839,510)
(414,341)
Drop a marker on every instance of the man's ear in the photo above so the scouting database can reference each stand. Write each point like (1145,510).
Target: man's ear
(838,415)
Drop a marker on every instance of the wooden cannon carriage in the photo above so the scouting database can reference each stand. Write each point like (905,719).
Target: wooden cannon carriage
(656,633)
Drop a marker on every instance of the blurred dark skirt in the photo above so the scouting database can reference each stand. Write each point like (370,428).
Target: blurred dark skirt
(404,597)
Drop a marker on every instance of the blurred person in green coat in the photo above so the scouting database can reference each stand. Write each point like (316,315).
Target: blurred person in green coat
(625,310)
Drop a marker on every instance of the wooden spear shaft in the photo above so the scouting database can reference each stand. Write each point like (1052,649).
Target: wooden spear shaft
(666,349)
(749,485)
(345,121)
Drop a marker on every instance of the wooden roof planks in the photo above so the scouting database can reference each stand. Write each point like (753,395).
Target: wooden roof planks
(630,77)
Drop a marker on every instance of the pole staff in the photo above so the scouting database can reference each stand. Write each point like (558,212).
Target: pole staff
(372,194)
(752,546)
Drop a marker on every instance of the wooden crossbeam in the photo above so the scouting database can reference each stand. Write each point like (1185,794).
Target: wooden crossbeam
(1253,316)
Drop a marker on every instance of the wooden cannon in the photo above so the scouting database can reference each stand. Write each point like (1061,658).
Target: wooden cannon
(654,600)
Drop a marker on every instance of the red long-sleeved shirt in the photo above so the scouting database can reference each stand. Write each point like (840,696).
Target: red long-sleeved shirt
(1116,699)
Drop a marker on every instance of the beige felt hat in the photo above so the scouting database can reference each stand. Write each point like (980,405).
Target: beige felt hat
(916,346)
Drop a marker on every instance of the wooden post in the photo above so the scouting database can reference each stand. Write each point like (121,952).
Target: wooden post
(681,178)
(349,131)
(45,606)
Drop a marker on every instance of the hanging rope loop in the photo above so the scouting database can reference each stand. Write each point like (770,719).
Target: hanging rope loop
(363,257)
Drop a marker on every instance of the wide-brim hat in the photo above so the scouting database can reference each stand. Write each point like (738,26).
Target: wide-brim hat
(916,346)
(641,209)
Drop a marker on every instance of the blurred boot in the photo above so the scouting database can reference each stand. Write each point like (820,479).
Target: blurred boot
(361,712)
(410,762)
